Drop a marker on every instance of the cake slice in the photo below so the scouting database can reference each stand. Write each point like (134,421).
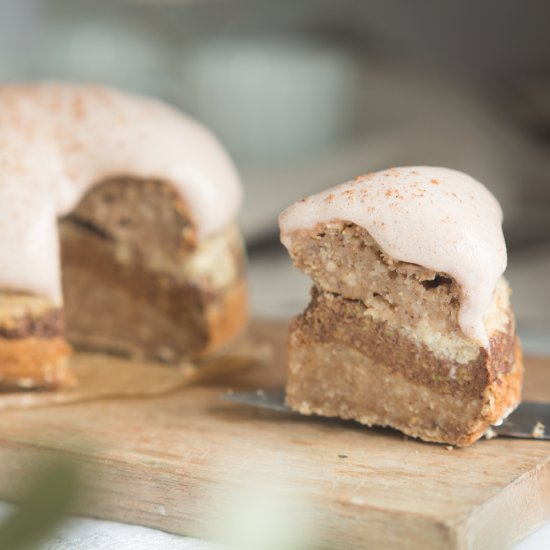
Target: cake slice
(410,324)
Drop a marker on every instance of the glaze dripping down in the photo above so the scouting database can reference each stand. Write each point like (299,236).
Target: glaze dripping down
(438,218)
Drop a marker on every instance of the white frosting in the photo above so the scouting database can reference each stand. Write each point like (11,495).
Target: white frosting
(58,140)
(438,218)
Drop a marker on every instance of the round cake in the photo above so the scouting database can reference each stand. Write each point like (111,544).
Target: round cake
(117,232)
(410,323)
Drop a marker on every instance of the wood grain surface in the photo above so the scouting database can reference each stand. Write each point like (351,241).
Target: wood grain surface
(174,461)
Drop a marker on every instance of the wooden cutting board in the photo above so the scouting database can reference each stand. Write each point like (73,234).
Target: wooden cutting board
(169,461)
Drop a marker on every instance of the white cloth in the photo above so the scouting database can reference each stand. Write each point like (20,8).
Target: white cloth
(90,534)
(539,540)
(93,534)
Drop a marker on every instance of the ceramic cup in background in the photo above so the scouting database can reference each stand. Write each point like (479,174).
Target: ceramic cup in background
(272,101)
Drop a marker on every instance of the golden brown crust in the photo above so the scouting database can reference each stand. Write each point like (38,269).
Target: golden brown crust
(500,398)
(34,363)
(228,318)
(33,353)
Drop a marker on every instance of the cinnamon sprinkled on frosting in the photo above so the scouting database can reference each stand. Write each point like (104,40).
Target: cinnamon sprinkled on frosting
(57,141)
(438,218)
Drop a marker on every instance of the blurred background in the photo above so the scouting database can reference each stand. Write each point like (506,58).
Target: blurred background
(308,93)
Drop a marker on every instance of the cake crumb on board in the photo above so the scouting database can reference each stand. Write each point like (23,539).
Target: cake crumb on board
(538,430)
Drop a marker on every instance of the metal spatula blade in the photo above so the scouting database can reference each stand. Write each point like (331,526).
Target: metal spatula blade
(528,421)
(273,400)
(531,420)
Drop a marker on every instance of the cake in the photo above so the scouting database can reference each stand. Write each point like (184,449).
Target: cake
(410,324)
(117,232)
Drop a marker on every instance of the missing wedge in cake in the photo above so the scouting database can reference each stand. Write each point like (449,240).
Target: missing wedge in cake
(129,247)
(410,324)
(127,232)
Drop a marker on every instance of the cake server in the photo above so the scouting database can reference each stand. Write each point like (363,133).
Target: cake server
(528,421)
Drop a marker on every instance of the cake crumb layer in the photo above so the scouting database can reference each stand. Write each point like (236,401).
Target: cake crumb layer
(344,363)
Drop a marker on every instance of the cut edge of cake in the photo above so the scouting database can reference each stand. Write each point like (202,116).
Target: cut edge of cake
(380,343)
(343,363)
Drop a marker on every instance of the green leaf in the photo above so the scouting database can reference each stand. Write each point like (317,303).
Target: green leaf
(46,502)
